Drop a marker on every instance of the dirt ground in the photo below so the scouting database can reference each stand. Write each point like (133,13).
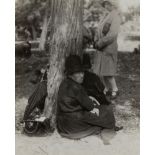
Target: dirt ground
(126,109)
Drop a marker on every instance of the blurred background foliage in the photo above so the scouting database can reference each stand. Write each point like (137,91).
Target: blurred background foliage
(30,14)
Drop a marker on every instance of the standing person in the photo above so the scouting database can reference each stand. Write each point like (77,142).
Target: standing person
(105,61)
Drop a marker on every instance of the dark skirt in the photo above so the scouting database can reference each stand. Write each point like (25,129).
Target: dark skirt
(81,124)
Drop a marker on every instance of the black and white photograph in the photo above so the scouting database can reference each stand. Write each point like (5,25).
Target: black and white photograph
(77,77)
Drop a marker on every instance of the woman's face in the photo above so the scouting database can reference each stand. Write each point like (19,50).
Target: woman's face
(78,77)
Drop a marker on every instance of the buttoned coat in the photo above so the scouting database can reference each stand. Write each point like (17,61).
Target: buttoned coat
(105,60)
(74,119)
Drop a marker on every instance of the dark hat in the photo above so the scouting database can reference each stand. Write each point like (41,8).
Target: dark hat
(86,61)
(73,64)
(103,3)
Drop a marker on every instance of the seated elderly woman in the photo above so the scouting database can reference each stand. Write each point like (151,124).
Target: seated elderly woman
(77,115)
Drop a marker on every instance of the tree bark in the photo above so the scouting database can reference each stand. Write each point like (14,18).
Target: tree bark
(66,38)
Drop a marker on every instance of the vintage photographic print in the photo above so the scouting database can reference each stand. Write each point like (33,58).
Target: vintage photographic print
(77,77)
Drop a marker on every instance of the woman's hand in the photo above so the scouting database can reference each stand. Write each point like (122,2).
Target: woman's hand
(41,119)
(103,42)
(89,50)
(99,44)
(95,111)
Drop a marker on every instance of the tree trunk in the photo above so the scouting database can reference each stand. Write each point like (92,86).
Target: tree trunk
(66,38)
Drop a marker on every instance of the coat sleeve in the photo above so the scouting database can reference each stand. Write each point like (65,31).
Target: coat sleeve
(113,31)
(83,99)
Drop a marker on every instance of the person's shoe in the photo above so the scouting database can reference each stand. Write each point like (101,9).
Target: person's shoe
(108,93)
(105,91)
(118,128)
(114,94)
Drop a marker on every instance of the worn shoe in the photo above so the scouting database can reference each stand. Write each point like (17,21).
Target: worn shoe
(112,94)
(108,93)
(118,128)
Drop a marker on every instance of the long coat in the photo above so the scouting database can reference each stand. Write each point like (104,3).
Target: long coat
(105,61)
(74,119)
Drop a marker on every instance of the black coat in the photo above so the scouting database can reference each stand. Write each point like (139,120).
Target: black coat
(74,119)
(94,87)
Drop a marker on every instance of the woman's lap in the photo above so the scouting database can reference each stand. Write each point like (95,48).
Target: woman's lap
(88,125)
